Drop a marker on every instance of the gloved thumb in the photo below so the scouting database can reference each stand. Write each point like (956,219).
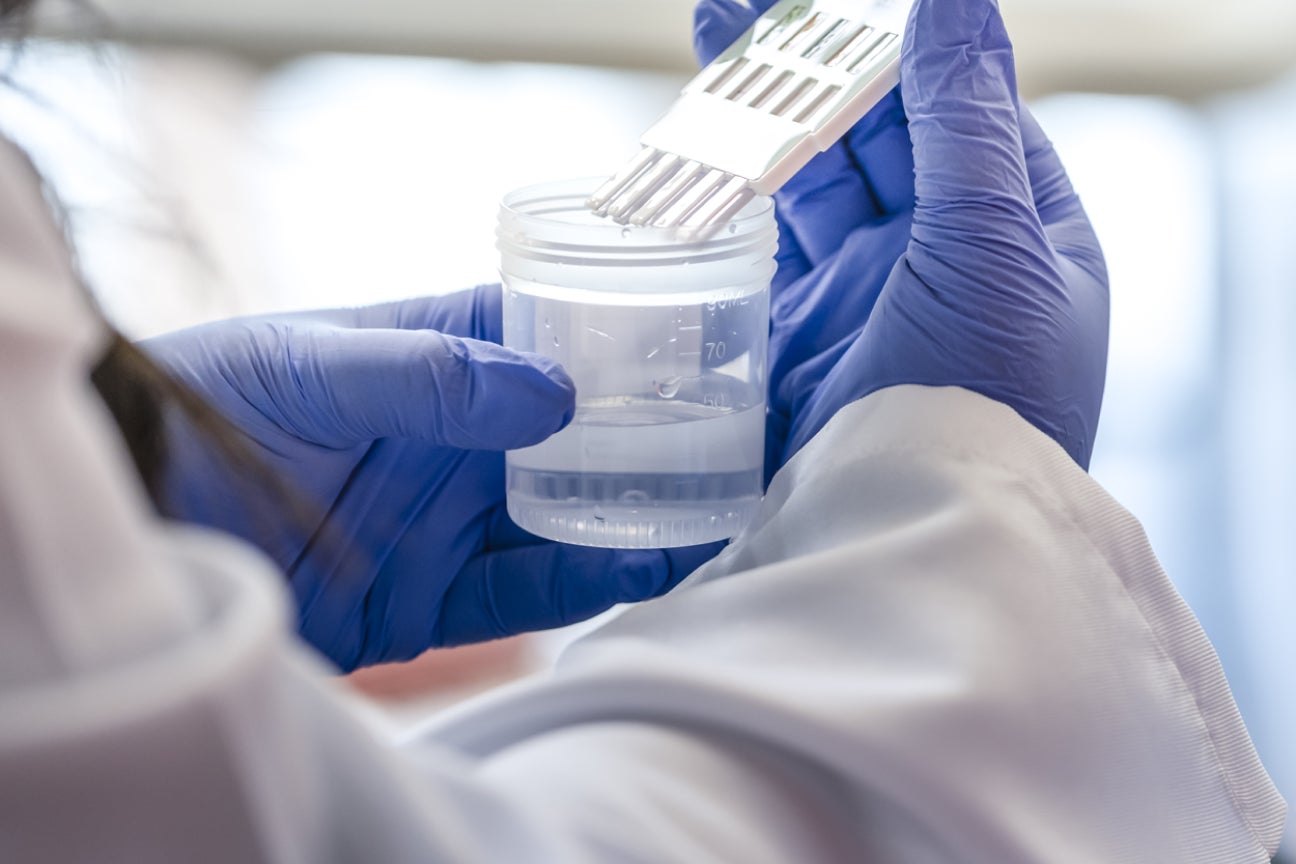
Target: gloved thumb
(352,386)
(959,87)
(476,313)
(717,23)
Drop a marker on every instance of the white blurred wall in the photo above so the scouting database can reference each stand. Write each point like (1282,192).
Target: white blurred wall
(1178,46)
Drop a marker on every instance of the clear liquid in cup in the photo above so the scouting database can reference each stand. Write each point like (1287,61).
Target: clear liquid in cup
(667,444)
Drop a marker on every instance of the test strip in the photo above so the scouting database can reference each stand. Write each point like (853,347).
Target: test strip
(648,183)
(825,39)
(870,52)
(803,32)
(692,200)
(794,14)
(847,48)
(644,159)
(724,202)
(668,194)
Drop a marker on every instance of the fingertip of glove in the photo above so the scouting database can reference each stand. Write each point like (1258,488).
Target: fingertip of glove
(641,573)
(557,387)
(504,399)
(943,43)
(626,575)
(537,404)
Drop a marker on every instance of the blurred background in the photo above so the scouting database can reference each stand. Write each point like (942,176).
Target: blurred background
(223,157)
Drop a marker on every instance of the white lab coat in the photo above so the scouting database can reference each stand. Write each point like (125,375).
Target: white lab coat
(941,642)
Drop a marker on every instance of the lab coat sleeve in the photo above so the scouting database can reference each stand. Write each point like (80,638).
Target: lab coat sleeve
(942,641)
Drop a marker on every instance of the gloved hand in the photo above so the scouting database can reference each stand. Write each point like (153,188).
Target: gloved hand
(994,281)
(390,421)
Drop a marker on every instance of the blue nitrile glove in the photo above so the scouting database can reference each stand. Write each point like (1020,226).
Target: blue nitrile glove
(994,282)
(390,421)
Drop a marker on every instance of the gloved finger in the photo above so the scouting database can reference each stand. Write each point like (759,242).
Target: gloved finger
(975,211)
(345,578)
(717,23)
(883,152)
(548,585)
(830,305)
(344,387)
(824,202)
(476,313)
